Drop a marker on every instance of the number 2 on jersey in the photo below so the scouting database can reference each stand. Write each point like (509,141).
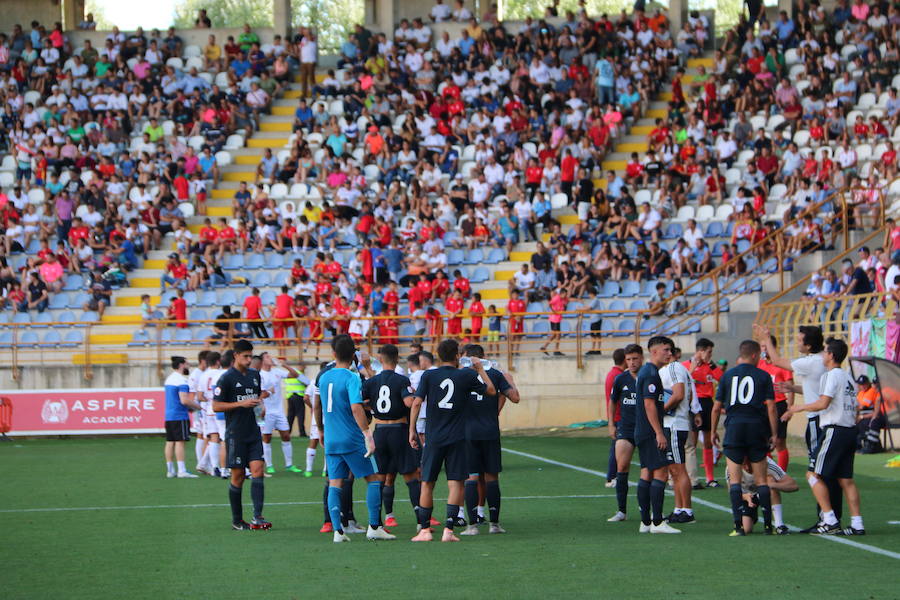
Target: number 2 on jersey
(446,385)
(383,403)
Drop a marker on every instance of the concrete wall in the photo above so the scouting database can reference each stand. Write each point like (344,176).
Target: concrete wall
(23,12)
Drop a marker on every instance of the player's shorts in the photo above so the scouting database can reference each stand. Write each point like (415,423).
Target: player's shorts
(677,441)
(240,453)
(420,425)
(210,425)
(275,421)
(555,326)
(746,440)
(780,409)
(339,466)
(706,405)
(836,452)
(393,454)
(651,457)
(220,428)
(483,456)
(813,437)
(197,423)
(280,327)
(626,434)
(451,457)
(751,511)
(178,431)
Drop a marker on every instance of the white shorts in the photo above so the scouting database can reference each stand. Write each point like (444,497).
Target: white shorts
(220,428)
(197,423)
(314,431)
(275,421)
(420,425)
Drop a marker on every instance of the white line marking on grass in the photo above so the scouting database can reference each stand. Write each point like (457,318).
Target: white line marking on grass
(707,503)
(152,506)
(893,522)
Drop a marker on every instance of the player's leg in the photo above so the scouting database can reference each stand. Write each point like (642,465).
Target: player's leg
(414,488)
(852,493)
(267,447)
(338,470)
(287,449)
(475,466)
(708,459)
(432,463)
(759,469)
(455,495)
(169,453)
(387,497)
(492,495)
(735,475)
(657,497)
(690,459)
(683,512)
(482,498)
(843,473)
(643,498)
(611,465)
(781,449)
(311,449)
(200,442)
(624,451)
(236,454)
(257,483)
(347,515)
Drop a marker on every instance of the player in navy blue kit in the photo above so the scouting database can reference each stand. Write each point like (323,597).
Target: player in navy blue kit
(747,396)
(624,396)
(483,444)
(238,394)
(388,396)
(650,438)
(447,392)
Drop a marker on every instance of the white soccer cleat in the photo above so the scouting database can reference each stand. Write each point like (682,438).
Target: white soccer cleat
(663,527)
(495,528)
(379,534)
(170,474)
(611,484)
(470,530)
(187,475)
(340,537)
(352,527)
(644,528)
(619,516)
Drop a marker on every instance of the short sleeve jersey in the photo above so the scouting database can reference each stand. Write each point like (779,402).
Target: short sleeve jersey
(234,386)
(483,422)
(838,385)
(339,390)
(649,385)
(624,397)
(176,384)
(447,392)
(743,391)
(271,382)
(679,418)
(811,368)
(385,393)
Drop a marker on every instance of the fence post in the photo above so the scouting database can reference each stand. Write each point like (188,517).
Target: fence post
(779,254)
(509,352)
(718,297)
(845,220)
(637,328)
(160,370)
(578,349)
(15,353)
(88,374)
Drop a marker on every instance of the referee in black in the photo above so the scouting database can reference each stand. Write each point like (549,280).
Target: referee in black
(237,394)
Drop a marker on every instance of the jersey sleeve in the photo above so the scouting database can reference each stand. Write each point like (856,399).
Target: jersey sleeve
(222,390)
(768,389)
(354,389)
(831,385)
(422,390)
(367,389)
(501,383)
(615,391)
(650,388)
(799,366)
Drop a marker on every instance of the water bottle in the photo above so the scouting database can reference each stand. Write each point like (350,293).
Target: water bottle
(257,413)
(465,362)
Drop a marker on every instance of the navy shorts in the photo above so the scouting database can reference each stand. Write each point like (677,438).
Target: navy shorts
(483,456)
(651,457)
(746,440)
(339,466)
(780,409)
(240,453)
(627,435)
(450,457)
(836,452)
(813,437)
(706,405)
(393,454)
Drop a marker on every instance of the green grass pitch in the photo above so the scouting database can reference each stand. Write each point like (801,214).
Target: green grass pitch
(96,518)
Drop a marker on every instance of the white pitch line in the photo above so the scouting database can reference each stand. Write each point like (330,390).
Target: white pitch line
(156,506)
(707,503)
(893,522)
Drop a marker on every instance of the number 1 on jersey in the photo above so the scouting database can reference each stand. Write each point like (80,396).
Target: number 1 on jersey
(446,385)
(328,408)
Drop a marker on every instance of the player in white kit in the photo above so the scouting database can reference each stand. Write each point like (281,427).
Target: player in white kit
(213,427)
(309,398)
(197,417)
(680,397)
(272,374)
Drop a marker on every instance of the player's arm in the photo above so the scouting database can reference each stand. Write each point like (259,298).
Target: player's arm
(292,373)
(414,410)
(676,397)
(716,412)
(772,414)
(786,484)
(366,363)
(186,400)
(653,419)
(821,404)
(512,392)
(317,411)
(789,393)
(765,337)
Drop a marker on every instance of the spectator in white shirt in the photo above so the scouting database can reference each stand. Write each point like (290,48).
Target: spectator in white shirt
(440,12)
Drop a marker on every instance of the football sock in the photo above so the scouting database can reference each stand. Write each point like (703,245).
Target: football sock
(310,458)
(181,467)
(257,493)
(708,464)
(829,518)
(373,502)
(622,491)
(856,522)
(836,495)
(689,511)
(492,494)
(387,498)
(452,514)
(657,493)
(425,516)
(200,449)
(334,508)
(234,498)
(765,501)
(267,453)
(347,500)
(325,503)
(212,455)
(784,457)
(643,497)
(734,491)
(415,490)
(471,494)
(170,467)
(611,465)
(288,450)
(777,516)
(480,510)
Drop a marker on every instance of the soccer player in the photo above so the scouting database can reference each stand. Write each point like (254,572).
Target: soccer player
(347,440)
(447,392)
(837,407)
(778,482)
(680,401)
(178,424)
(483,444)
(783,401)
(273,373)
(623,399)
(612,416)
(426,363)
(309,398)
(198,416)
(747,396)
(705,373)
(238,393)
(205,387)
(389,397)
(653,448)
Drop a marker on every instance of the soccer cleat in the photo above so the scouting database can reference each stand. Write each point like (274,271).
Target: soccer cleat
(470,530)
(379,534)
(203,470)
(610,484)
(187,475)
(241,526)
(479,519)
(307,474)
(826,529)
(434,522)
(352,527)
(713,484)
(294,469)
(663,528)
(270,470)
(697,486)
(644,528)
(811,529)
(460,522)
(170,474)
(736,532)
(260,523)
(424,535)
(391,522)
(782,530)
(448,536)
(217,472)
(495,528)
(340,537)
(324,473)
(852,531)
(619,516)
(686,518)
(326,527)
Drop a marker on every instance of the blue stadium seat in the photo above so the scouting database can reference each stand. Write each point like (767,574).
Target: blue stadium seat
(703,307)
(673,231)
(274,260)
(455,257)
(714,229)
(197,314)
(254,261)
(234,261)
(718,248)
(73,282)
(691,326)
(638,305)
(480,275)
(28,338)
(59,301)
(617,305)
(607,327)
(228,298)
(139,338)
(281,278)
(207,298)
(201,335)
(407,331)
(610,289)
(22,318)
(495,256)
(668,327)
(51,339)
(6,338)
(743,245)
(261,279)
(649,326)
(42,320)
(88,316)
(66,317)
(474,256)
(268,297)
(79,299)
(450,237)
(755,284)
(724,304)
(624,328)
(403,311)
(539,328)
(631,288)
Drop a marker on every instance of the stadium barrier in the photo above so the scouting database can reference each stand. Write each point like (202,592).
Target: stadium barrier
(6,415)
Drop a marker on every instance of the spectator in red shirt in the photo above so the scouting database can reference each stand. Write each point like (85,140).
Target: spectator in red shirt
(175,274)
(567,172)
(516,324)
(282,316)
(783,401)
(392,297)
(462,284)
(476,310)
(612,419)
(252,312)
(440,287)
(78,231)
(178,310)
(454,306)
(558,303)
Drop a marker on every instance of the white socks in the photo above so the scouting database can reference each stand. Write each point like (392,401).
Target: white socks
(288,450)
(267,453)
(777,516)
(856,522)
(829,518)
(200,449)
(170,466)
(310,458)
(181,467)
(479,510)
(461,513)
(212,455)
